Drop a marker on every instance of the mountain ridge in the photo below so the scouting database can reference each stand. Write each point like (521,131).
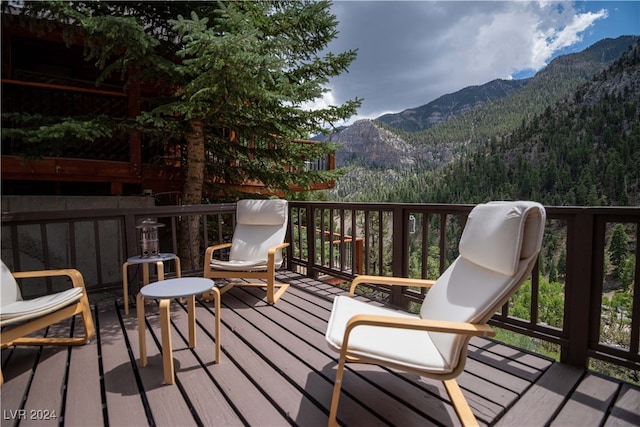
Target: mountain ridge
(582,151)
(371,146)
(582,64)
(450,105)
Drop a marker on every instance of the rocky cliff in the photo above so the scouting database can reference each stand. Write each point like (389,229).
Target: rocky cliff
(366,143)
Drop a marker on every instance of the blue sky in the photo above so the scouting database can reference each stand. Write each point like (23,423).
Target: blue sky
(623,18)
(412,52)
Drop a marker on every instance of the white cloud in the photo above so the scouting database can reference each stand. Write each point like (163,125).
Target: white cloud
(410,53)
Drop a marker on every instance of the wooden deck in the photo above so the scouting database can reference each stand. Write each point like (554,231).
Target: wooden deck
(277,370)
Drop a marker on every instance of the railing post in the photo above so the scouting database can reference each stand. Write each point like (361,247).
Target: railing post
(400,256)
(579,282)
(359,260)
(310,219)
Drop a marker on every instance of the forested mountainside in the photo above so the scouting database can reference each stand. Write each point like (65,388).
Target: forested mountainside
(451,105)
(551,84)
(511,101)
(584,150)
(437,146)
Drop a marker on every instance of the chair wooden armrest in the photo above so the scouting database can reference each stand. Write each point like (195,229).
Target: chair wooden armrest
(208,256)
(271,261)
(271,255)
(73,274)
(465,328)
(386,280)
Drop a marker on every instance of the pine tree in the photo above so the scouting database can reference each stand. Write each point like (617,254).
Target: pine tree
(618,249)
(237,77)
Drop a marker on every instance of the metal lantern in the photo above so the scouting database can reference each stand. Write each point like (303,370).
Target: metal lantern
(149,242)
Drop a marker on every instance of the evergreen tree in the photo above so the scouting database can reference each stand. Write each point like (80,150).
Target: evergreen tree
(618,249)
(237,78)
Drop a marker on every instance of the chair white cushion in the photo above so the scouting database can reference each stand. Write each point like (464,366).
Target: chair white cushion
(252,242)
(9,290)
(261,225)
(19,311)
(261,212)
(237,265)
(402,347)
(493,235)
(488,268)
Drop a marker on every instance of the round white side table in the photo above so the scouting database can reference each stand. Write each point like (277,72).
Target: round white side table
(165,290)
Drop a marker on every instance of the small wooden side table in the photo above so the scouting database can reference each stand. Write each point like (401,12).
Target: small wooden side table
(165,291)
(158,261)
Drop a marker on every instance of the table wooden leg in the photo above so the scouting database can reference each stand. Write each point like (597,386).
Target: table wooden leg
(141,330)
(178,269)
(145,274)
(191,310)
(145,278)
(167,352)
(160,270)
(216,303)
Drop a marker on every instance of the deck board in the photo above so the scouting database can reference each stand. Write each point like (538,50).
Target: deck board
(259,324)
(626,410)
(166,403)
(229,381)
(588,403)
(41,404)
(123,401)
(84,384)
(544,398)
(264,367)
(276,369)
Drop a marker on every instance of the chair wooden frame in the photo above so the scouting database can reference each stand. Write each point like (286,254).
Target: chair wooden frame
(465,328)
(18,335)
(499,248)
(274,290)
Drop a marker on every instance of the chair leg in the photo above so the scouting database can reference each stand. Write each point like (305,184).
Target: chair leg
(87,319)
(460,403)
(337,385)
(272,295)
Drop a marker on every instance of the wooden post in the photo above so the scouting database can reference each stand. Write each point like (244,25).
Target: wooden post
(579,290)
(400,258)
(359,255)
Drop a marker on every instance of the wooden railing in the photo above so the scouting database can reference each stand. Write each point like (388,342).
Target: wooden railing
(345,253)
(322,237)
(421,240)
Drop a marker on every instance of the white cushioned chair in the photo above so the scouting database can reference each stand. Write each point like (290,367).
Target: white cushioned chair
(255,249)
(19,318)
(498,248)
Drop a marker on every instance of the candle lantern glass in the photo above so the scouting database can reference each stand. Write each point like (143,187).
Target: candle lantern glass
(149,241)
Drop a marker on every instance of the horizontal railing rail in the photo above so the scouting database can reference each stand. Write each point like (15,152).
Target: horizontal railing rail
(340,240)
